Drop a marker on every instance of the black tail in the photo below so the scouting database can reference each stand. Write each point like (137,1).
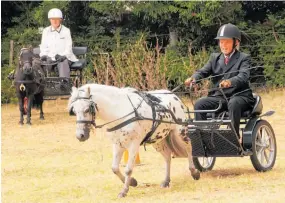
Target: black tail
(38,100)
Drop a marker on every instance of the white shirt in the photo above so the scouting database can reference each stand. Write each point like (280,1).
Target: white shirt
(57,41)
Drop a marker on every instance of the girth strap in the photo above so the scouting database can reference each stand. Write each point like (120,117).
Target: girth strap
(153,102)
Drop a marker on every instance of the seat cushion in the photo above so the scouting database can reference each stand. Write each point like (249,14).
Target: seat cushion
(256,110)
(78,65)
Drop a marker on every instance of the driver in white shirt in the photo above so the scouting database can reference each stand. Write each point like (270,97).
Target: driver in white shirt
(56,43)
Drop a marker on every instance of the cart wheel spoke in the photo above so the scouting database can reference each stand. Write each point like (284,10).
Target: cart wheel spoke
(266,156)
(263,134)
(262,156)
(259,144)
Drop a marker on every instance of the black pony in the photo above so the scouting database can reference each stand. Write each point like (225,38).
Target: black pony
(29,83)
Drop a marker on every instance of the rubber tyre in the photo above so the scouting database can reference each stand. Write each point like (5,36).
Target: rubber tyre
(256,146)
(198,165)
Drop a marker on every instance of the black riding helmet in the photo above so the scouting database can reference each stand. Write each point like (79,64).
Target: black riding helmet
(229,31)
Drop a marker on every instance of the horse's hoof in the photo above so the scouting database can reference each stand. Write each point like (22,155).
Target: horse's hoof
(122,194)
(21,123)
(195,174)
(133,182)
(29,123)
(42,118)
(164,184)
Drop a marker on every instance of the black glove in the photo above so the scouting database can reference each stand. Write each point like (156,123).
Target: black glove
(60,58)
(44,58)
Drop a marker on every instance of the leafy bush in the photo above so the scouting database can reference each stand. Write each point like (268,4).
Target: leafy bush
(145,68)
(8,93)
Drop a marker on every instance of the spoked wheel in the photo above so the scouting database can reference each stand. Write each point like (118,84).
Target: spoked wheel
(25,106)
(204,164)
(263,147)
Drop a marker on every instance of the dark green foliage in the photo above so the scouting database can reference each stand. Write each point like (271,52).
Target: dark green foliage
(179,29)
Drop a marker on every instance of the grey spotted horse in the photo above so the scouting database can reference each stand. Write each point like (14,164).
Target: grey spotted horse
(132,118)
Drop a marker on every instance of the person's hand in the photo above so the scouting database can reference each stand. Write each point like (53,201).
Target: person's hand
(189,81)
(225,84)
(60,58)
(44,58)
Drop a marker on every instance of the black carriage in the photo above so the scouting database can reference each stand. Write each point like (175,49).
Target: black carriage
(216,137)
(56,86)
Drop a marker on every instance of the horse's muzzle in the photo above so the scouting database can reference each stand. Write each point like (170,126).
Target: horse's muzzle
(83,134)
(27,69)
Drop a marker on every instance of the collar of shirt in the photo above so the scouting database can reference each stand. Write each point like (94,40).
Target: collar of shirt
(230,54)
(58,29)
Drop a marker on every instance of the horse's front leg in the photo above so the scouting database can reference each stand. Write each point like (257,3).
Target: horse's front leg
(129,181)
(117,156)
(29,108)
(21,108)
(163,148)
(41,105)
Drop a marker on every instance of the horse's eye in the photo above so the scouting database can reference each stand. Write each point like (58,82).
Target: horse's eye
(86,110)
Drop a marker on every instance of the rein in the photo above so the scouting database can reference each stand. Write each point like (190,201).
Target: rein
(110,129)
(149,100)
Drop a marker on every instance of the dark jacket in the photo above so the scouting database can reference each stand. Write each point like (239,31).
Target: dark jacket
(237,71)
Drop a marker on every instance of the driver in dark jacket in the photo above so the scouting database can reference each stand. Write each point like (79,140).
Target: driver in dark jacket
(234,69)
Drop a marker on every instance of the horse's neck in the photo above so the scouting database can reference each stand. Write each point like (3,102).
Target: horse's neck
(111,106)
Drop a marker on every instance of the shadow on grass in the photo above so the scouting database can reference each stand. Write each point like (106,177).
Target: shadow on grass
(229,172)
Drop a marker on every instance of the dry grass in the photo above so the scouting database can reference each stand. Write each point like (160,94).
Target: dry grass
(46,163)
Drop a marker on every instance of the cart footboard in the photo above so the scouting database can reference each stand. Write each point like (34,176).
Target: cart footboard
(214,143)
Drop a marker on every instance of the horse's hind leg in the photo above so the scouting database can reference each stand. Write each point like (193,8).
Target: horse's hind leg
(194,172)
(163,148)
(21,108)
(41,112)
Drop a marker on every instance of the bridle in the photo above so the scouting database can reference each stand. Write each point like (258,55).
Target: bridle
(27,61)
(92,110)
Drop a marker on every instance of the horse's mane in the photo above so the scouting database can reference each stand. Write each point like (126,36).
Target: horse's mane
(104,89)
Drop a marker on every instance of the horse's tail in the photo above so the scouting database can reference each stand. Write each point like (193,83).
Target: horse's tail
(38,100)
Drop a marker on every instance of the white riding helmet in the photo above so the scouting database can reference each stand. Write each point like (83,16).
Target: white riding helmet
(54,13)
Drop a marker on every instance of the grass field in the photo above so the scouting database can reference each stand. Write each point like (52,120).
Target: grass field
(46,163)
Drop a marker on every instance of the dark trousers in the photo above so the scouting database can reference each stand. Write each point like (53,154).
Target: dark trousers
(236,106)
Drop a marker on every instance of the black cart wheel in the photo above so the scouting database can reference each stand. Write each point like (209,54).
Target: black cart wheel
(204,164)
(263,147)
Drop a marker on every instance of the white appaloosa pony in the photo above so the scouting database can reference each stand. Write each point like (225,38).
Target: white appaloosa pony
(131,117)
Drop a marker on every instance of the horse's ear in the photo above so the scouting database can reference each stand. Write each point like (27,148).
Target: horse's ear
(30,47)
(88,91)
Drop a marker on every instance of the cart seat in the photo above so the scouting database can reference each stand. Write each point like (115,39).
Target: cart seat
(78,65)
(257,109)
(81,63)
